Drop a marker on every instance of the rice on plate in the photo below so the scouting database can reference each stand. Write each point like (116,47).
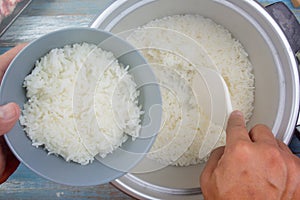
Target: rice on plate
(81,103)
(175,46)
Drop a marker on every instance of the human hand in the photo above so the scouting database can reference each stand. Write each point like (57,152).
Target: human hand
(9,114)
(252,165)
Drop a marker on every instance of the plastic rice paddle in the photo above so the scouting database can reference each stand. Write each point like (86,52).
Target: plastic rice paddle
(220,106)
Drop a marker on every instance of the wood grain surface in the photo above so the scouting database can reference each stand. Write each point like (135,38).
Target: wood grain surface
(41,17)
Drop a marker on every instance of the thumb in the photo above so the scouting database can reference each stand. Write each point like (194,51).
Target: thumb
(9,115)
(236,128)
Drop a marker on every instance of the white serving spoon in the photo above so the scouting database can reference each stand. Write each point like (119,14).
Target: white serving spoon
(219,107)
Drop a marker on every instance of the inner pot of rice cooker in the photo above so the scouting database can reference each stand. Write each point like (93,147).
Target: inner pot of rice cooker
(270,35)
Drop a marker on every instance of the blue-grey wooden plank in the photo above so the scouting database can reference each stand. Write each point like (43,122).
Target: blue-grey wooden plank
(26,185)
(44,16)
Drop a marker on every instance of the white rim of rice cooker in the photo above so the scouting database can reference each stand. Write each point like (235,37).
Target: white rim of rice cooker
(110,17)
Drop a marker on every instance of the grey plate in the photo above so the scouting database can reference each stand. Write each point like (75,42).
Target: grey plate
(56,168)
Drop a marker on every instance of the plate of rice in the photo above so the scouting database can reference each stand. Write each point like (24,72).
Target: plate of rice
(91,106)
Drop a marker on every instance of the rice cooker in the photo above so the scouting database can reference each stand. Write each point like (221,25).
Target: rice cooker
(270,35)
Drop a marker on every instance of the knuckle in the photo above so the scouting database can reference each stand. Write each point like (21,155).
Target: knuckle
(259,128)
(237,128)
(273,155)
(240,151)
(242,146)
(272,151)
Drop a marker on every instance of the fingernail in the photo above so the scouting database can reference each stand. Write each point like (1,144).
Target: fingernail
(7,112)
(237,113)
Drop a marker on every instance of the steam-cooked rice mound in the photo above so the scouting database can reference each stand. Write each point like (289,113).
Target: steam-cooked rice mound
(81,103)
(175,46)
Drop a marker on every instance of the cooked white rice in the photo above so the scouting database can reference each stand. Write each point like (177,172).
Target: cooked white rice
(81,103)
(176,46)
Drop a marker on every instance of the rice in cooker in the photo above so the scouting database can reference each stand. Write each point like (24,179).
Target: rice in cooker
(81,103)
(175,46)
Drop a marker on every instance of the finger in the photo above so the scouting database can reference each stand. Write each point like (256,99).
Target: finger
(3,151)
(262,133)
(7,57)
(9,115)
(236,128)
(211,165)
(8,162)
(283,146)
(11,166)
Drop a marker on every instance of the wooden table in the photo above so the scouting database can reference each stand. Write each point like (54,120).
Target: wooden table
(41,17)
